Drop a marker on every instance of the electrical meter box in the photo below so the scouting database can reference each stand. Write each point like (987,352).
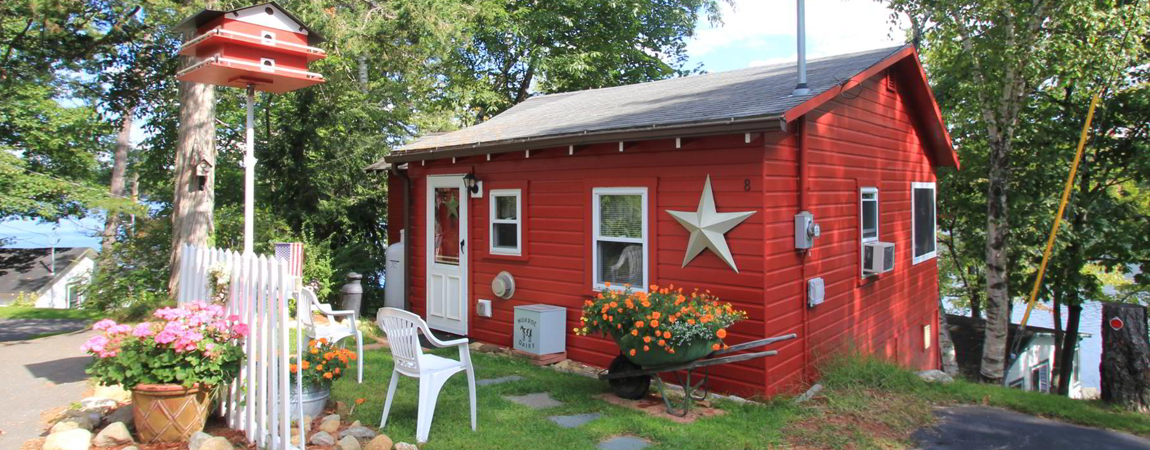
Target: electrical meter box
(540,329)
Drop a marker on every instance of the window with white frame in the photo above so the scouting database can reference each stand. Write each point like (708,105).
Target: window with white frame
(868,217)
(506,216)
(620,237)
(923,227)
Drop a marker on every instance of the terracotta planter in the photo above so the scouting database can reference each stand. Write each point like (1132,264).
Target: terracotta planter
(169,412)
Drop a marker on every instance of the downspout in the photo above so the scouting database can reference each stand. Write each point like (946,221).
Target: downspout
(406,236)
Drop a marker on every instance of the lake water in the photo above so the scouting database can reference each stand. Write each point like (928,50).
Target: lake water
(1090,323)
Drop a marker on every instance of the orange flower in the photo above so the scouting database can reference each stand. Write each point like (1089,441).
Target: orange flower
(647,339)
(662,343)
(656,314)
(632,352)
(634,332)
(646,348)
(722,333)
(359,401)
(293,368)
(690,321)
(715,347)
(314,351)
(336,371)
(654,324)
(667,334)
(327,375)
(607,284)
(319,367)
(639,324)
(305,364)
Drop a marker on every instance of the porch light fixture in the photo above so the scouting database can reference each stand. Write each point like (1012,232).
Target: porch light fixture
(471,182)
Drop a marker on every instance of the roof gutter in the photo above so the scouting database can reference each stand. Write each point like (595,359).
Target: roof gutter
(729,126)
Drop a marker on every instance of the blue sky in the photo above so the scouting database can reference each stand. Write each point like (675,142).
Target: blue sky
(753,32)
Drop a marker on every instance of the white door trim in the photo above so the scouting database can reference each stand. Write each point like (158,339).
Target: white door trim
(456,325)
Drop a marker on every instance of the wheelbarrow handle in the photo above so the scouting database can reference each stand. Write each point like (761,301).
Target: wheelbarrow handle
(753,344)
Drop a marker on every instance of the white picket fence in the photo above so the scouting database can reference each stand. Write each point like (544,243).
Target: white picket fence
(259,289)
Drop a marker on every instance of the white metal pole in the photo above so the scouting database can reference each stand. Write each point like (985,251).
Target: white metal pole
(250,173)
(801,88)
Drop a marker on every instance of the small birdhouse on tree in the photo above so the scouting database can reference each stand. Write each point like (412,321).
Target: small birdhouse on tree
(203,171)
(263,46)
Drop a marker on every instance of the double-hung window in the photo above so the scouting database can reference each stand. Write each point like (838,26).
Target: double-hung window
(923,226)
(868,206)
(620,237)
(506,219)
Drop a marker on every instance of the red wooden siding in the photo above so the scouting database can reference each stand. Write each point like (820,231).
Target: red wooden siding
(865,136)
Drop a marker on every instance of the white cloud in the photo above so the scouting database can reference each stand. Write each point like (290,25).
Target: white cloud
(833,27)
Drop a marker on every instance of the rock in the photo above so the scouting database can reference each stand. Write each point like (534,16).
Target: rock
(322,438)
(935,376)
(381,442)
(114,434)
(328,417)
(809,394)
(348,443)
(130,447)
(197,440)
(121,414)
(358,432)
(217,443)
(356,424)
(475,346)
(81,422)
(93,416)
(405,446)
(74,439)
(329,424)
(341,408)
(100,404)
(116,392)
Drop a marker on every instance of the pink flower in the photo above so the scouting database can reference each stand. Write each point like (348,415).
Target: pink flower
(240,329)
(143,330)
(104,325)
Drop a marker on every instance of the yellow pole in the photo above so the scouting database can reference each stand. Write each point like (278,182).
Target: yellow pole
(1061,209)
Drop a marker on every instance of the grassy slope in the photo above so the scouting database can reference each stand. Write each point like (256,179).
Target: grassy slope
(19,312)
(866,404)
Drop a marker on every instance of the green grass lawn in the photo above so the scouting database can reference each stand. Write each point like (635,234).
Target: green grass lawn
(866,404)
(21,312)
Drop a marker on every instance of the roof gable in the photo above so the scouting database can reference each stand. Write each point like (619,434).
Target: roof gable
(31,269)
(753,99)
(278,18)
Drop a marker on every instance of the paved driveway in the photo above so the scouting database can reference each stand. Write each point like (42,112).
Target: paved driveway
(21,329)
(38,375)
(982,428)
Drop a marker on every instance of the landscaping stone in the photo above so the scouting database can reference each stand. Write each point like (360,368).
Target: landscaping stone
(574,421)
(93,416)
(117,393)
(100,404)
(341,408)
(322,438)
(217,443)
(330,423)
(72,423)
(356,424)
(935,376)
(197,440)
(122,414)
(348,443)
(405,446)
(130,447)
(538,400)
(74,439)
(810,393)
(114,434)
(359,432)
(381,442)
(624,443)
(500,380)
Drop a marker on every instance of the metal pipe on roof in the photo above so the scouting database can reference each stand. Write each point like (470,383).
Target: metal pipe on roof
(801,88)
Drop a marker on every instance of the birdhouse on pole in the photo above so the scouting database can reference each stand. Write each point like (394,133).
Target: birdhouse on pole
(262,46)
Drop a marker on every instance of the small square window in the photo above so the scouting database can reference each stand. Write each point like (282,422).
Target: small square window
(506,230)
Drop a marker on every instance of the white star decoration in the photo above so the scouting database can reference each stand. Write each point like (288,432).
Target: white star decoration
(707,227)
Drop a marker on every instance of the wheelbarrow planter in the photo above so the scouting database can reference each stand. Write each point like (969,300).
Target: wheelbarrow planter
(631,380)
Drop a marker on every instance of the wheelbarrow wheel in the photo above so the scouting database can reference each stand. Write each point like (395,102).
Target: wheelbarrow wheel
(631,388)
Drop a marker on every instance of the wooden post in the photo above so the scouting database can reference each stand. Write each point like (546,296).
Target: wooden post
(1125,356)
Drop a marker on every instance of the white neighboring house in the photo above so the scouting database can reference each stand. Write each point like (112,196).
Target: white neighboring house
(53,283)
(1032,370)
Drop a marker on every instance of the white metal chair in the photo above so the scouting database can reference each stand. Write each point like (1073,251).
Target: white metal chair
(632,256)
(334,331)
(402,329)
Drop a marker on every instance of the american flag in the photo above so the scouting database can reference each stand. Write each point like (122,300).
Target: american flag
(292,253)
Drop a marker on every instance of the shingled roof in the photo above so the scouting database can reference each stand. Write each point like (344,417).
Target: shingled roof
(30,269)
(746,100)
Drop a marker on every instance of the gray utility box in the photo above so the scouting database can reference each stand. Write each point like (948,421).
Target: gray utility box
(540,329)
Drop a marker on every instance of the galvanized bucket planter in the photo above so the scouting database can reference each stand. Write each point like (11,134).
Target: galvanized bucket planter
(314,399)
(169,412)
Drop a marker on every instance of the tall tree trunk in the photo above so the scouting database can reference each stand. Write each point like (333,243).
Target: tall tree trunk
(1058,333)
(1125,357)
(116,188)
(997,311)
(1069,343)
(193,202)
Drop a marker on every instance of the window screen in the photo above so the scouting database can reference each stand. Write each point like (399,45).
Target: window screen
(869,206)
(923,202)
(620,240)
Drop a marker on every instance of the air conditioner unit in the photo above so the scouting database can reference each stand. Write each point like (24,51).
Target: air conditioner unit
(878,257)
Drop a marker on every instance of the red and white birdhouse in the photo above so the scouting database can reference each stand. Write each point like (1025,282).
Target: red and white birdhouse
(264,46)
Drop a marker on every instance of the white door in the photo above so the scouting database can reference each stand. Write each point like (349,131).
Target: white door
(447,255)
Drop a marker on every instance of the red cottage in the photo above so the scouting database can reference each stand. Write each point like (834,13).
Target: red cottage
(848,171)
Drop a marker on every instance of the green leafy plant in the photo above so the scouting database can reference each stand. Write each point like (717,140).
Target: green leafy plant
(194,344)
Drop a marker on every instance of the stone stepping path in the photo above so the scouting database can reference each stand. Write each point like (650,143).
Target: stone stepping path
(539,400)
(624,443)
(500,380)
(574,421)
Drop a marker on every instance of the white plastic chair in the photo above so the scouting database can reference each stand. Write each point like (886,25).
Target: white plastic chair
(402,329)
(334,331)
